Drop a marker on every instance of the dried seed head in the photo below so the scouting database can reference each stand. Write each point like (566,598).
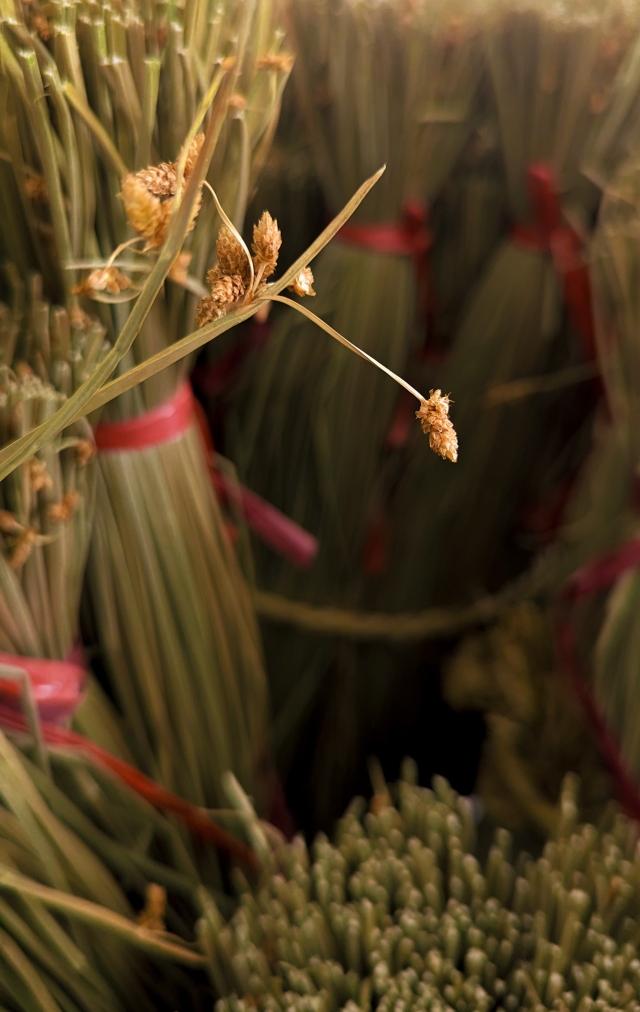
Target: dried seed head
(179,269)
(103,279)
(41,25)
(61,512)
(152,917)
(238,101)
(282,63)
(302,284)
(148,196)
(8,523)
(35,187)
(227,290)
(208,310)
(232,258)
(85,451)
(39,477)
(435,422)
(23,547)
(267,240)
(78,318)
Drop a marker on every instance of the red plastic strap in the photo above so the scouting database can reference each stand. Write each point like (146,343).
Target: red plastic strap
(276,529)
(597,575)
(552,235)
(160,425)
(196,819)
(409,237)
(57,685)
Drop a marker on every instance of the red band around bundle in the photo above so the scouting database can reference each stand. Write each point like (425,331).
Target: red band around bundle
(551,234)
(160,425)
(277,530)
(410,237)
(196,819)
(56,685)
(597,575)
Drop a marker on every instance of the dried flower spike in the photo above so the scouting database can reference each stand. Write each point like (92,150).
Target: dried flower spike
(35,187)
(302,284)
(225,292)
(282,63)
(85,451)
(435,422)
(180,268)
(152,917)
(38,474)
(104,279)
(148,195)
(8,523)
(267,240)
(232,258)
(23,547)
(61,512)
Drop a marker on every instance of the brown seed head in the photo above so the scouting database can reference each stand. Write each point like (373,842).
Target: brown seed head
(85,451)
(208,310)
(152,917)
(227,290)
(282,63)
(302,284)
(179,269)
(434,419)
(148,196)
(103,279)
(267,240)
(23,546)
(8,523)
(238,101)
(39,477)
(232,258)
(61,512)
(41,25)
(35,187)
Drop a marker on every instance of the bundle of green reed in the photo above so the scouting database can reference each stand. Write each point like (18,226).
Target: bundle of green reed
(552,69)
(47,503)
(79,856)
(327,412)
(400,913)
(604,512)
(124,87)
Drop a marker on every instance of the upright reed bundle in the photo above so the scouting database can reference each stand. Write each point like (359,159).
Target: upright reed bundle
(551,68)
(47,503)
(605,509)
(319,409)
(399,912)
(124,85)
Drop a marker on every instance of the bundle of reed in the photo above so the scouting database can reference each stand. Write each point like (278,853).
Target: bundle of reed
(98,897)
(536,731)
(48,502)
(552,70)
(604,513)
(327,412)
(400,913)
(171,611)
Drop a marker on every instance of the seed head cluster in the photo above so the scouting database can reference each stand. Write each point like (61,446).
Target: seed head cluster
(148,196)
(436,424)
(230,281)
(400,915)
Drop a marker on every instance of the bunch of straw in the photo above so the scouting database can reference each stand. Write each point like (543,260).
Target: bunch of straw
(172,615)
(604,512)
(552,69)
(399,913)
(70,845)
(535,731)
(326,411)
(47,503)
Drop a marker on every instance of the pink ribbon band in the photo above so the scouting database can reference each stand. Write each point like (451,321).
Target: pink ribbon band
(163,424)
(56,685)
